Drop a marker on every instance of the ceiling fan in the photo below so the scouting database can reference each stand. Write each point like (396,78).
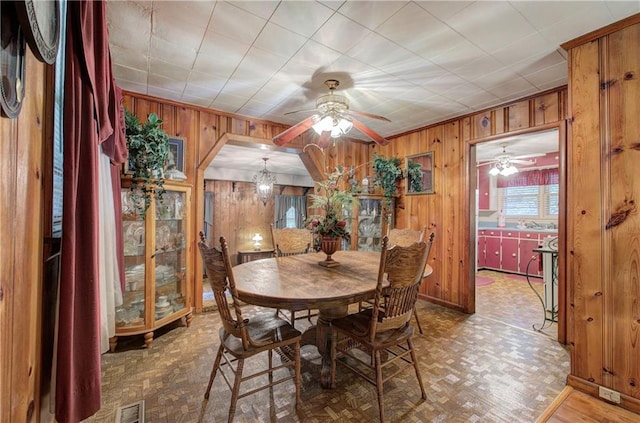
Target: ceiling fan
(331,120)
(502,164)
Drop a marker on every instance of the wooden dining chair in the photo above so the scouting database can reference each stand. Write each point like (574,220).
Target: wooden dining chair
(241,337)
(288,242)
(384,330)
(404,237)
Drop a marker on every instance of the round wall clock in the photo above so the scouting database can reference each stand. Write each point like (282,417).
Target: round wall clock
(12,50)
(40,22)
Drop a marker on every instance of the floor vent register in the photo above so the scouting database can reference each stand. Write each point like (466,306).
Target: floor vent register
(131,413)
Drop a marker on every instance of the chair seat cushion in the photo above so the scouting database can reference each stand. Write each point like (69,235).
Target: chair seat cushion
(357,326)
(267,330)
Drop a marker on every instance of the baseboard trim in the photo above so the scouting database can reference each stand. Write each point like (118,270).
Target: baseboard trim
(627,402)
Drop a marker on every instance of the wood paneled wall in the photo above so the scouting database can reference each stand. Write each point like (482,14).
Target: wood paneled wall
(21,237)
(603,234)
(238,214)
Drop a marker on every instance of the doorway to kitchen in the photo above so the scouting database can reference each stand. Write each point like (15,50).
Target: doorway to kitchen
(516,215)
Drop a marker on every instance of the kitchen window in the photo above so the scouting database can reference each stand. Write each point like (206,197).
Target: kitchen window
(530,194)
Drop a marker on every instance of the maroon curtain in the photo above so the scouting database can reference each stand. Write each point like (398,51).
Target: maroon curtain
(529,177)
(91,117)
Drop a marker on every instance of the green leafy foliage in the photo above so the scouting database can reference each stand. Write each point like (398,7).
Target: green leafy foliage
(387,173)
(148,146)
(330,198)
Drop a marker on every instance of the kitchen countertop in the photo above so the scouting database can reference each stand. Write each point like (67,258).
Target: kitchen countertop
(513,228)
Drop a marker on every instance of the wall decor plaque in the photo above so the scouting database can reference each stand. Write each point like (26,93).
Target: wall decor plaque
(40,21)
(12,50)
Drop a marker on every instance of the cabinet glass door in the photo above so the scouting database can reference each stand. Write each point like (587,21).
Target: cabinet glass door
(369,224)
(170,254)
(132,311)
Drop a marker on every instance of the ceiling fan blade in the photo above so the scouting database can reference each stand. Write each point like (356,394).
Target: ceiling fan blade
(529,162)
(369,132)
(368,115)
(300,111)
(294,131)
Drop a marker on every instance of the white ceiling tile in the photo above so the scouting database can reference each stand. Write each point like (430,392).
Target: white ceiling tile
(494,79)
(129,25)
(479,100)
(406,27)
(572,26)
(474,22)
(334,5)
(481,66)
(198,101)
(458,55)
(255,108)
(210,90)
(316,55)
(204,79)
(261,8)
(183,56)
(236,23)
(288,13)
(553,73)
(175,86)
(129,58)
(522,49)
(228,102)
(340,33)
(181,23)
(622,9)
(370,50)
(168,69)
(370,13)
(552,12)
(443,10)
(278,40)
(206,64)
(158,91)
(512,89)
(538,62)
(223,49)
(132,86)
(415,69)
(129,74)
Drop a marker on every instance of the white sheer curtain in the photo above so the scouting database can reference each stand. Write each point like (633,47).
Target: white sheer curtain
(110,292)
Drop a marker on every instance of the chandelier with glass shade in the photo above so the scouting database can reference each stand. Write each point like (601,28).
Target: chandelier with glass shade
(264,181)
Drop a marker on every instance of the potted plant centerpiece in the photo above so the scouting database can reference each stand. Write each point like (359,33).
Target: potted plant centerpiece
(148,147)
(331,227)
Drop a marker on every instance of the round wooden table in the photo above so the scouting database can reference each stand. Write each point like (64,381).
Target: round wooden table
(298,283)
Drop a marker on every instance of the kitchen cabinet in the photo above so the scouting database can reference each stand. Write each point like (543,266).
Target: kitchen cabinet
(492,248)
(157,256)
(366,224)
(509,250)
(528,242)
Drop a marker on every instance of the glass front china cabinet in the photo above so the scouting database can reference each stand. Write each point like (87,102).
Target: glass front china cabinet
(366,224)
(157,257)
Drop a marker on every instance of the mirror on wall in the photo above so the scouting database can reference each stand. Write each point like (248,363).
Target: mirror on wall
(419,173)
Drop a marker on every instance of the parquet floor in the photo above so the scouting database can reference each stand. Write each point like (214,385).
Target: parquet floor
(476,368)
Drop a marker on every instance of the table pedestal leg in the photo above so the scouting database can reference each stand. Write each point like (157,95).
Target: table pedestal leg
(323,340)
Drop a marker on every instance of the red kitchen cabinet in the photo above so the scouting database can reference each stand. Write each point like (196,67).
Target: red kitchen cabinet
(492,248)
(481,250)
(509,252)
(529,241)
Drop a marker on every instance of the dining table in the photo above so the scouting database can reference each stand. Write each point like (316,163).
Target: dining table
(299,282)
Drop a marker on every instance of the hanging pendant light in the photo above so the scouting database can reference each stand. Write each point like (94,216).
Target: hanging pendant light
(264,181)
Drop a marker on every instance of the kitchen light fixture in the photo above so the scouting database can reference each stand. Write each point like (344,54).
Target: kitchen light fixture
(504,168)
(264,181)
(256,242)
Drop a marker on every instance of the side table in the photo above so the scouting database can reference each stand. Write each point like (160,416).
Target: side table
(251,255)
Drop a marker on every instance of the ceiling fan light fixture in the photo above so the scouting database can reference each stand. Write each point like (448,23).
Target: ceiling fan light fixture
(324,124)
(509,169)
(494,171)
